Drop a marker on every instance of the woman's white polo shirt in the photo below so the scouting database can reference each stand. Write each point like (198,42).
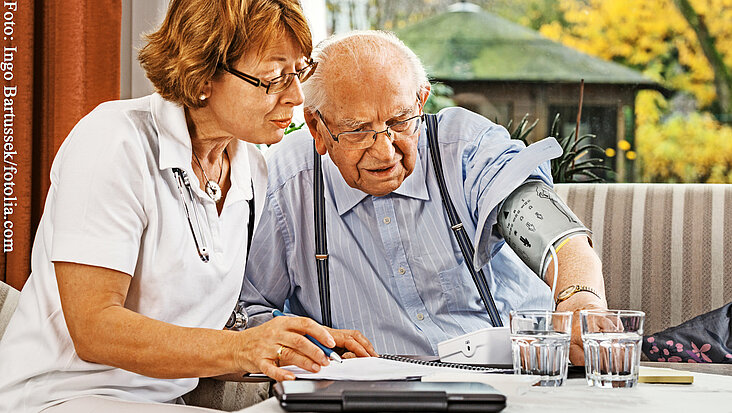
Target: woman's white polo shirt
(114,203)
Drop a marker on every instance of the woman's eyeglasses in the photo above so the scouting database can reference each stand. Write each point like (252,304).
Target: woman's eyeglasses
(278,84)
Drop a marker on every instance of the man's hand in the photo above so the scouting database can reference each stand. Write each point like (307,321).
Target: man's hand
(578,265)
(352,343)
(580,301)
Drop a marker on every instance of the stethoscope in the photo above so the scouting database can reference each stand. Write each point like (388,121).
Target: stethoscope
(199,238)
(239,318)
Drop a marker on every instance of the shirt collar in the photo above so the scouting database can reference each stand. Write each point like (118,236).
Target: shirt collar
(173,138)
(175,146)
(346,197)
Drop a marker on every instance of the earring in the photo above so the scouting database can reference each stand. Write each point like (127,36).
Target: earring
(203,96)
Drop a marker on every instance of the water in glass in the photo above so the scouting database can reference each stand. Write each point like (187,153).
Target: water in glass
(541,353)
(612,358)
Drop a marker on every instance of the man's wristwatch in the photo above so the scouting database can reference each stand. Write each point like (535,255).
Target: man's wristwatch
(574,289)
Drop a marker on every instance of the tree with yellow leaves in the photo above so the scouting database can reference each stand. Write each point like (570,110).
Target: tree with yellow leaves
(708,44)
(690,52)
(652,36)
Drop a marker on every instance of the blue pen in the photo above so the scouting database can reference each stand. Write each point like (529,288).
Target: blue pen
(328,352)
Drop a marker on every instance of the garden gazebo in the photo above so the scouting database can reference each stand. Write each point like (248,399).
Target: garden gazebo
(504,71)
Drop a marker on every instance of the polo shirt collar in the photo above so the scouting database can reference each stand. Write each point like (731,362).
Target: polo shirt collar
(174,141)
(176,151)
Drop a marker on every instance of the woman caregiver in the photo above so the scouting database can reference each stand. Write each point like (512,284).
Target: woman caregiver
(139,256)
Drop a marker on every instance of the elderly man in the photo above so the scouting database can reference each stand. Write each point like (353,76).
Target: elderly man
(397,273)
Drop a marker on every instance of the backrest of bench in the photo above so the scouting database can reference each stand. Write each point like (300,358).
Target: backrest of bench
(664,247)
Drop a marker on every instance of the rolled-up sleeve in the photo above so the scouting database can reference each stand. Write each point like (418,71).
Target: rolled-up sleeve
(495,165)
(266,283)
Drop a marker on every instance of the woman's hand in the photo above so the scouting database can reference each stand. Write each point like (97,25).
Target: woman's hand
(105,332)
(260,346)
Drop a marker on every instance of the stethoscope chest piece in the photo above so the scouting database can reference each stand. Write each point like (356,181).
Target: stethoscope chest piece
(213,190)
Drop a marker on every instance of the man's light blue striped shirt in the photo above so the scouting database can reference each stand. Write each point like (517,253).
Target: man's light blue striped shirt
(396,270)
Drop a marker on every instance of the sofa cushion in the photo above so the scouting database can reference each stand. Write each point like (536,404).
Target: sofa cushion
(703,339)
(227,395)
(663,247)
(8,302)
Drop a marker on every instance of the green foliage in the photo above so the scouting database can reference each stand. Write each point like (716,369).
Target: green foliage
(440,98)
(572,165)
(293,127)
(530,13)
(523,129)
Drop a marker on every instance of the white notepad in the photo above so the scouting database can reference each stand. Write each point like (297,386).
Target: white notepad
(369,369)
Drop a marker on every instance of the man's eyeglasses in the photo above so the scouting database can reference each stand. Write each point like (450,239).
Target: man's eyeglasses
(366,138)
(278,84)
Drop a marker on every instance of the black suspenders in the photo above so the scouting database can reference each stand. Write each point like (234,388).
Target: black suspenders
(321,241)
(250,224)
(466,246)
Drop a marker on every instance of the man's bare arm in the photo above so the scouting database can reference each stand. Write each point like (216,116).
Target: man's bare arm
(578,265)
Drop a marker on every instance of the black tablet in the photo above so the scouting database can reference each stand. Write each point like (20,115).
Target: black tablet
(387,396)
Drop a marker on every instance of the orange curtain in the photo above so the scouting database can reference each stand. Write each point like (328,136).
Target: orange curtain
(65,59)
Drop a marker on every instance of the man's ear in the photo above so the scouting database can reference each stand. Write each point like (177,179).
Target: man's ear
(424,93)
(311,119)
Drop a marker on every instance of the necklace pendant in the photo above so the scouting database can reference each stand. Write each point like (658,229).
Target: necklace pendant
(213,190)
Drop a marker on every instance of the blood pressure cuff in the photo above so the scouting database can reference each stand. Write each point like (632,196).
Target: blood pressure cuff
(533,218)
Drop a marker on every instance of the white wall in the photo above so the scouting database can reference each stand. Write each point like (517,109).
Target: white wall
(138,17)
(316,14)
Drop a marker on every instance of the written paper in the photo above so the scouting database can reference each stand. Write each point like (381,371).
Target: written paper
(369,369)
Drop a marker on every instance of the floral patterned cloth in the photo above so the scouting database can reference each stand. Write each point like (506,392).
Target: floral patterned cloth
(704,339)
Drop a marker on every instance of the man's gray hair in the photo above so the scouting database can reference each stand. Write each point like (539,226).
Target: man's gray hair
(370,41)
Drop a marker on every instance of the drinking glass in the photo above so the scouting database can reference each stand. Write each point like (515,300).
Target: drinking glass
(612,342)
(540,344)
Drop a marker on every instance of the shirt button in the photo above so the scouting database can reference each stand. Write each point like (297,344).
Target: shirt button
(387,220)
(420,316)
(402,270)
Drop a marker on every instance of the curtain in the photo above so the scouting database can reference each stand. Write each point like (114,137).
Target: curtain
(65,59)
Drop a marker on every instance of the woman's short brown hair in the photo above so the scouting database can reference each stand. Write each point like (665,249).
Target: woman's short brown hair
(199,35)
